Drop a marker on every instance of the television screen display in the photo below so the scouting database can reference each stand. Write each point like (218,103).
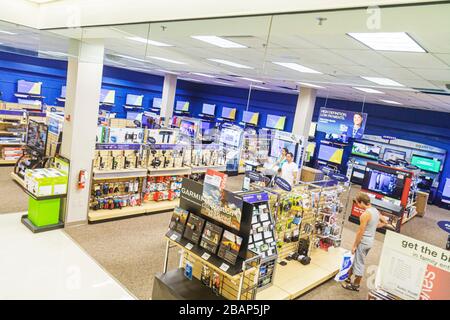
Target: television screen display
(134,116)
(207,128)
(426,164)
(346,124)
(330,154)
(37,136)
(134,100)
(275,122)
(157,102)
(187,127)
(229,113)
(209,109)
(366,150)
(182,106)
(250,117)
(63,92)
(278,145)
(107,96)
(394,155)
(388,184)
(28,87)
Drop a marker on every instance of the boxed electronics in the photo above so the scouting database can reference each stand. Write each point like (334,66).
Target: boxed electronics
(126,135)
(46,182)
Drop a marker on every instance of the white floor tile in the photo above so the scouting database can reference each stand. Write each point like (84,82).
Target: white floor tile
(49,266)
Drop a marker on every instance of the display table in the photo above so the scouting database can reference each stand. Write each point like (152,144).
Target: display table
(294,279)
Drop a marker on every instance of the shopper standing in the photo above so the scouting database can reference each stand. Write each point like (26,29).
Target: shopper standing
(370,221)
(289,170)
(282,159)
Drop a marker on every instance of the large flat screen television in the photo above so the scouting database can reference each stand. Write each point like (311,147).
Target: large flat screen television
(382,182)
(229,113)
(134,100)
(426,163)
(330,154)
(275,122)
(37,136)
(394,155)
(182,106)
(366,150)
(107,96)
(250,118)
(209,109)
(28,87)
(157,102)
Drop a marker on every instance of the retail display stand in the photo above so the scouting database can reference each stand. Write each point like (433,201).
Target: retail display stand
(46,189)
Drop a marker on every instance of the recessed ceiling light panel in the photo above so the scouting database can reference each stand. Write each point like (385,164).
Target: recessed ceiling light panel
(391,102)
(150,42)
(388,41)
(368,90)
(219,42)
(231,63)
(305,84)
(383,81)
(166,60)
(296,67)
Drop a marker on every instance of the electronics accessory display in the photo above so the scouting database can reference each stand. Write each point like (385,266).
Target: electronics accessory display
(178,220)
(211,237)
(194,228)
(230,246)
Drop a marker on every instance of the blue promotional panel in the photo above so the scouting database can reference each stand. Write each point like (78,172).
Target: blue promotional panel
(345,124)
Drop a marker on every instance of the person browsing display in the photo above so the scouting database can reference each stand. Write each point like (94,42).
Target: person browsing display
(282,159)
(289,170)
(370,221)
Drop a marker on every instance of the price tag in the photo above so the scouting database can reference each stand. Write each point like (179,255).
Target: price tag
(174,237)
(189,246)
(206,256)
(224,267)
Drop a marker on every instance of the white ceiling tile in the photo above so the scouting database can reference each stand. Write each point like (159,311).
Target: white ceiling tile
(414,59)
(433,74)
(366,58)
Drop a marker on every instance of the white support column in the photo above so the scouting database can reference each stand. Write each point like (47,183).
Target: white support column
(304,111)
(168,97)
(84,80)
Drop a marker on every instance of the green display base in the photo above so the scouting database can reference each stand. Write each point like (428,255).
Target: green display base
(36,229)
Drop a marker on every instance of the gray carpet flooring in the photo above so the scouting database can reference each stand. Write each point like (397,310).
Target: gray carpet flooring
(12,198)
(132,250)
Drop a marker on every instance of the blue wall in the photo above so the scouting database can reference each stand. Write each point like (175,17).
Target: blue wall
(426,127)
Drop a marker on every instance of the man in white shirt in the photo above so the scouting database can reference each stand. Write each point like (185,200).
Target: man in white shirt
(289,170)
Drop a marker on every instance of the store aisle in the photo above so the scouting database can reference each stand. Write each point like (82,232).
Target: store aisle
(12,198)
(49,266)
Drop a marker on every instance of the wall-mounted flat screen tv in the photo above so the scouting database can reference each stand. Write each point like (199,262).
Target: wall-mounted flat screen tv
(330,154)
(275,122)
(366,150)
(426,163)
(250,117)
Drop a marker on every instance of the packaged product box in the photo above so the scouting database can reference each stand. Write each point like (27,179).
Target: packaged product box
(38,182)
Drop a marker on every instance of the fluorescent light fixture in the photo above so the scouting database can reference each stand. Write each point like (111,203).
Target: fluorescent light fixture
(230,63)
(224,83)
(305,84)
(260,87)
(219,42)
(129,57)
(53,53)
(190,79)
(7,32)
(167,71)
(150,42)
(296,67)
(368,90)
(383,81)
(203,75)
(391,102)
(388,41)
(252,80)
(166,60)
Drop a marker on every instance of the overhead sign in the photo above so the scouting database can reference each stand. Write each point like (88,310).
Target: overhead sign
(283,184)
(346,124)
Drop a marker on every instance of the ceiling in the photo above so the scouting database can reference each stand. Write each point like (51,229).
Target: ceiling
(299,38)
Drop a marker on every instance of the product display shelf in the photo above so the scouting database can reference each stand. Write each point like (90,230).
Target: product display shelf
(164,172)
(294,279)
(148,207)
(406,219)
(236,283)
(202,169)
(7,162)
(118,174)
